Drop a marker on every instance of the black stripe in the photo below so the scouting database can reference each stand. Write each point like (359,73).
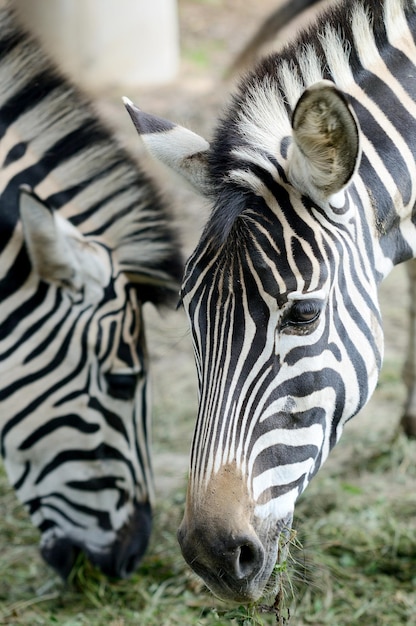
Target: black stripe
(279,454)
(97,484)
(17,276)
(52,365)
(30,95)
(279,490)
(112,420)
(102,452)
(7,328)
(9,40)
(103,517)
(20,481)
(71,421)
(38,401)
(38,503)
(390,154)
(15,153)
(49,338)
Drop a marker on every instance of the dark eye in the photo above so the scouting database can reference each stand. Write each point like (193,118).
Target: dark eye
(121,386)
(302,313)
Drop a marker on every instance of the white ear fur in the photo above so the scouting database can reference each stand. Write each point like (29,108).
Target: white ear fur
(325,152)
(58,252)
(177,147)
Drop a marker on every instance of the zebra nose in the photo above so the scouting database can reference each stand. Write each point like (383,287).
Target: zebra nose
(133,541)
(129,548)
(232,558)
(61,555)
(117,560)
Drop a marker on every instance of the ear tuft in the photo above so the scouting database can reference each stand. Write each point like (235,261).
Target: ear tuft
(144,123)
(47,248)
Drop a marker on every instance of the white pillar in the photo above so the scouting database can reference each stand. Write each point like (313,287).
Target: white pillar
(107,43)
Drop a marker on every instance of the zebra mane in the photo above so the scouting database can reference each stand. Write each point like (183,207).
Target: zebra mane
(257,123)
(93,181)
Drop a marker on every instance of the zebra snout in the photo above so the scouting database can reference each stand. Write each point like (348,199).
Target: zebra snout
(130,546)
(61,555)
(119,559)
(222,540)
(229,564)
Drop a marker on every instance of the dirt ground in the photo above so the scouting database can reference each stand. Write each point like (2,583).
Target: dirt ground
(212,32)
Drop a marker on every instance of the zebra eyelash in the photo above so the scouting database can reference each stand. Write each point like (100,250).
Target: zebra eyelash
(301,315)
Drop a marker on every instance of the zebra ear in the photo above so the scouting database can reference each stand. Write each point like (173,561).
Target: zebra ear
(58,252)
(326,148)
(177,147)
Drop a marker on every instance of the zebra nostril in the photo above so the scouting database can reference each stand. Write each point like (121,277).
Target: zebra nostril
(247,558)
(243,558)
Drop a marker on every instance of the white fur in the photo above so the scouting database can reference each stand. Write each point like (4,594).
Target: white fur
(337,56)
(182,151)
(264,121)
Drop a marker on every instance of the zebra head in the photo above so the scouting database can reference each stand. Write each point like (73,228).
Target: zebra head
(281,296)
(74,387)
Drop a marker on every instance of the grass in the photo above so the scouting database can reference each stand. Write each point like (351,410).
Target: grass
(357,564)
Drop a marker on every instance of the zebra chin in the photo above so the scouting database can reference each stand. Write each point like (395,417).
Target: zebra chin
(119,560)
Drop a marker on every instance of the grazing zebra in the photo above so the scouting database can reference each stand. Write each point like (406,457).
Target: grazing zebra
(313,177)
(85,240)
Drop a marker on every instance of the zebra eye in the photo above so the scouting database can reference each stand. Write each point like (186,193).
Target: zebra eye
(121,386)
(302,313)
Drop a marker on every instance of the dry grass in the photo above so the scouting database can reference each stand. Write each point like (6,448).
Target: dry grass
(356,523)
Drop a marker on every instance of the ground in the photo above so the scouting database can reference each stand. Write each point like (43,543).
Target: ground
(357,520)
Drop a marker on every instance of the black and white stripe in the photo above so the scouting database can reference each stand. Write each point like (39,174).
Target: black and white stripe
(85,240)
(313,174)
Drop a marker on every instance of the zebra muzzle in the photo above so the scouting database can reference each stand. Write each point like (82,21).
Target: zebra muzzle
(117,560)
(232,565)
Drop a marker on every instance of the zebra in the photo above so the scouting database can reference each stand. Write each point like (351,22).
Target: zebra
(312,178)
(86,239)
